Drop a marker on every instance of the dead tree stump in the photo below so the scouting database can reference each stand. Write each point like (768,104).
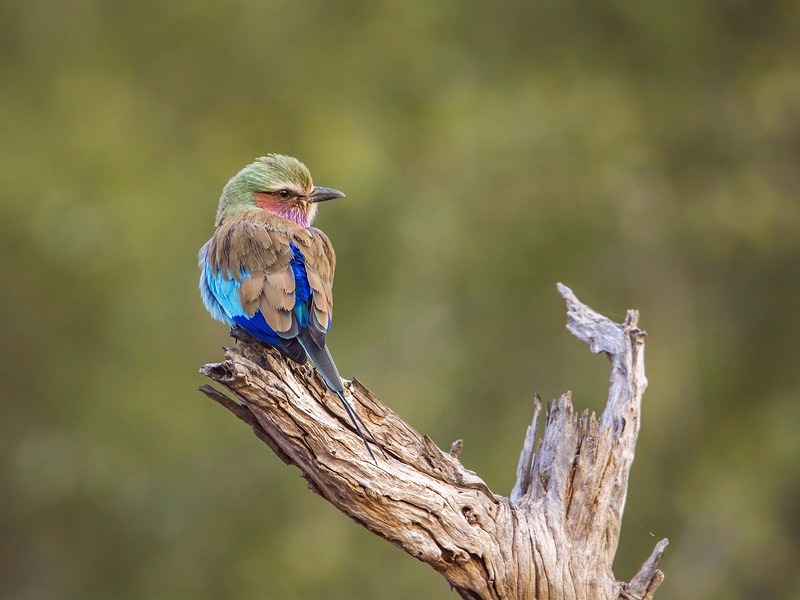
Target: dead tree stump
(554,537)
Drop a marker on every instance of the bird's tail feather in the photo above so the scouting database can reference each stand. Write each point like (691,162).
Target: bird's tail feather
(323,361)
(355,419)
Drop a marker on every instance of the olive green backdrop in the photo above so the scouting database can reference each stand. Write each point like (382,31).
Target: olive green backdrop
(645,154)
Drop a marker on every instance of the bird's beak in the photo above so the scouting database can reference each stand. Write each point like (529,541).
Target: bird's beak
(320,194)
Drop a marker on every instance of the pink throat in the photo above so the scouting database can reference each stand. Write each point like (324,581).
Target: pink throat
(293,212)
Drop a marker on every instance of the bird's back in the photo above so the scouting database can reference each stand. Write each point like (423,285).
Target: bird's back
(270,276)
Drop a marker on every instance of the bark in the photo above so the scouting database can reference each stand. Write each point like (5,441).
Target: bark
(554,537)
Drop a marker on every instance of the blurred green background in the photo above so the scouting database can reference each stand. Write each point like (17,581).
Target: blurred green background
(645,154)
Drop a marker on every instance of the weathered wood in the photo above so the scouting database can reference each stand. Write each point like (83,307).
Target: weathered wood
(554,537)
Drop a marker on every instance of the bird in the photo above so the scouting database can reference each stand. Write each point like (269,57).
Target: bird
(267,271)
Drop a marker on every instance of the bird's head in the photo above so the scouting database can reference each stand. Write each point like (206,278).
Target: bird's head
(276,183)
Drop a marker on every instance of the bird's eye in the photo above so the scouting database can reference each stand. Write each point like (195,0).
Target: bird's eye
(284,194)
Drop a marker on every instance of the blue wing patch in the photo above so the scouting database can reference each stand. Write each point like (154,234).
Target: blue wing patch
(221,299)
(302,290)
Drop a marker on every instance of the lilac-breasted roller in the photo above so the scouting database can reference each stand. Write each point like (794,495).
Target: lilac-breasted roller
(268,271)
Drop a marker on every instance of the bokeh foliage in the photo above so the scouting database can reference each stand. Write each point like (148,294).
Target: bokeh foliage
(646,154)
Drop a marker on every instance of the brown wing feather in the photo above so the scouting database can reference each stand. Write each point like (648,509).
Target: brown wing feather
(320,265)
(250,293)
(243,246)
